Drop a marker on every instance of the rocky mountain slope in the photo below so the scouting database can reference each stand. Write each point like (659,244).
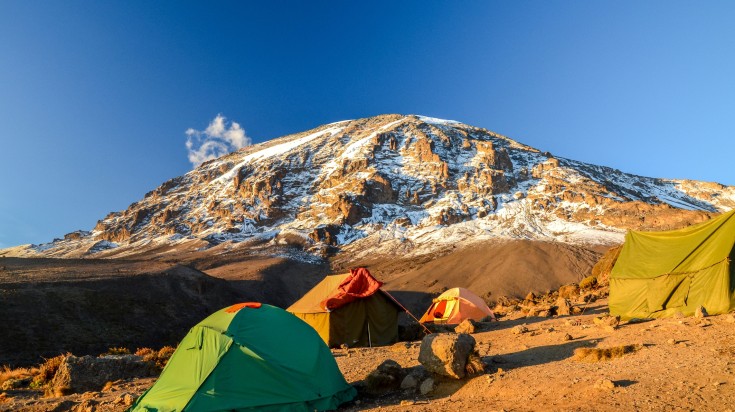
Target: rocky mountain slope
(390,185)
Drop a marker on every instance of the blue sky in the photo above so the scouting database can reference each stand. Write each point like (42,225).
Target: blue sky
(96,96)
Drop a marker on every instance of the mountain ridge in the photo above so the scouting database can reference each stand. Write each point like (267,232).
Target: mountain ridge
(392,184)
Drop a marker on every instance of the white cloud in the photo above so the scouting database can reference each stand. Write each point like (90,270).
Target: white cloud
(216,140)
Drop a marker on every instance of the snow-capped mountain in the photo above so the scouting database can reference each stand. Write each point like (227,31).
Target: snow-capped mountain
(392,184)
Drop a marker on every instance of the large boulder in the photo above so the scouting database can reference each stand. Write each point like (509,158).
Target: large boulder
(87,373)
(446,354)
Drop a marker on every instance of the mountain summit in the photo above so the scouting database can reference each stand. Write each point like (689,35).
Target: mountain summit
(395,185)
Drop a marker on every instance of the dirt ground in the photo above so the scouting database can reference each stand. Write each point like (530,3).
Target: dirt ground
(685,364)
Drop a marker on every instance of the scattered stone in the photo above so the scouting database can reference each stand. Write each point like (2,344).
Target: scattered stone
(544,314)
(427,386)
(124,399)
(671,341)
(701,312)
(474,365)
(446,354)
(87,373)
(409,382)
(607,322)
(400,347)
(519,329)
(386,377)
(407,402)
(85,406)
(576,310)
(531,296)
(467,326)
(568,337)
(605,384)
(563,307)
(568,291)
(730,318)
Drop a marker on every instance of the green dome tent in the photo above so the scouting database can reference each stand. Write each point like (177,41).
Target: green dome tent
(661,273)
(249,357)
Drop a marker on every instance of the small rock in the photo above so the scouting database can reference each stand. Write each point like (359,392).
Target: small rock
(531,296)
(730,318)
(605,384)
(409,382)
(519,329)
(563,307)
(124,399)
(386,377)
(568,337)
(607,322)
(85,406)
(568,291)
(701,312)
(467,326)
(672,341)
(426,386)
(407,402)
(544,314)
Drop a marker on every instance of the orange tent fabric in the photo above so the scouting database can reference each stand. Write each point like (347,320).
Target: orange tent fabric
(360,284)
(456,305)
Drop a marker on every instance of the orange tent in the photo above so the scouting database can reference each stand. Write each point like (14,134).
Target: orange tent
(456,305)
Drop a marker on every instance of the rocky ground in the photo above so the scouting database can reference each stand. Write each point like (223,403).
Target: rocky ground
(682,364)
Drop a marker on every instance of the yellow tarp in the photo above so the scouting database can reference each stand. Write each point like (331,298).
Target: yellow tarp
(661,273)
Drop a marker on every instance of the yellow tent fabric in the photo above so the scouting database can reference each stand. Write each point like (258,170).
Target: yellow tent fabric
(661,273)
(370,321)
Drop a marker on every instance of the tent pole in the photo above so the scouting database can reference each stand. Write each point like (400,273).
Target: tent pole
(370,341)
(426,330)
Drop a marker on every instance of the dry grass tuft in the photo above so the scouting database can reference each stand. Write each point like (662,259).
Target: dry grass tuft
(160,357)
(118,351)
(603,354)
(47,370)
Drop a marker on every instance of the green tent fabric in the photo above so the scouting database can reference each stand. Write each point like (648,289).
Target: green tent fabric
(249,357)
(659,274)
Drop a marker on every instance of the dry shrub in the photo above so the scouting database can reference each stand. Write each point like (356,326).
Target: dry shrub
(6,373)
(118,351)
(601,270)
(474,364)
(48,369)
(588,283)
(603,354)
(159,358)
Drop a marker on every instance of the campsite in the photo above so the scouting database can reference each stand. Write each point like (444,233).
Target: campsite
(301,206)
(564,350)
